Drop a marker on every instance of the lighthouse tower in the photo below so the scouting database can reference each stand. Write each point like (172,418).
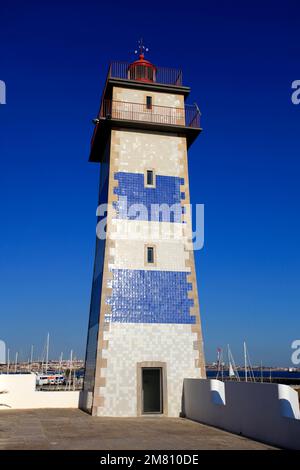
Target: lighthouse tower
(144,334)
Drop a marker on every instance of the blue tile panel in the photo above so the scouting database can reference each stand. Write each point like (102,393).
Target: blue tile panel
(167,191)
(140,296)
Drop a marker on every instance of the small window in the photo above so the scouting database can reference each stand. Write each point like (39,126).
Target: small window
(150,254)
(150,178)
(149,102)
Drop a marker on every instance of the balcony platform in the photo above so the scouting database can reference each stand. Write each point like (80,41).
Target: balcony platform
(103,128)
(151,86)
(117,114)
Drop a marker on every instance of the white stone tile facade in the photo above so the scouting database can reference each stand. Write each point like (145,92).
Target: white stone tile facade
(137,151)
(139,96)
(132,343)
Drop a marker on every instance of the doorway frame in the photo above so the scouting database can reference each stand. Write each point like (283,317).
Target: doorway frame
(159,371)
(164,391)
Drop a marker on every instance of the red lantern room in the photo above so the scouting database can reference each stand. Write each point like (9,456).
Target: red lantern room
(141,69)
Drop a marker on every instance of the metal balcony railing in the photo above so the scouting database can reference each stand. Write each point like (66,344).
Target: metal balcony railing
(189,116)
(163,75)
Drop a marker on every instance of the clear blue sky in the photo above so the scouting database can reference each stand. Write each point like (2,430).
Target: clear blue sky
(240,59)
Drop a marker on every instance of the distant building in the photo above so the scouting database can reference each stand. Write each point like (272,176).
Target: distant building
(144,332)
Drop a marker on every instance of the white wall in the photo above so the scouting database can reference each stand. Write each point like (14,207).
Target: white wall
(21,394)
(265,412)
(130,95)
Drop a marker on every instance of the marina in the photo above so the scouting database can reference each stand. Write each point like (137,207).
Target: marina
(273,375)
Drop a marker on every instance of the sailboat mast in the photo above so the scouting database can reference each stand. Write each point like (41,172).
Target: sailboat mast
(8,361)
(218,362)
(71,366)
(47,353)
(245,360)
(16,362)
(228,356)
(31,357)
(60,362)
(74,376)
